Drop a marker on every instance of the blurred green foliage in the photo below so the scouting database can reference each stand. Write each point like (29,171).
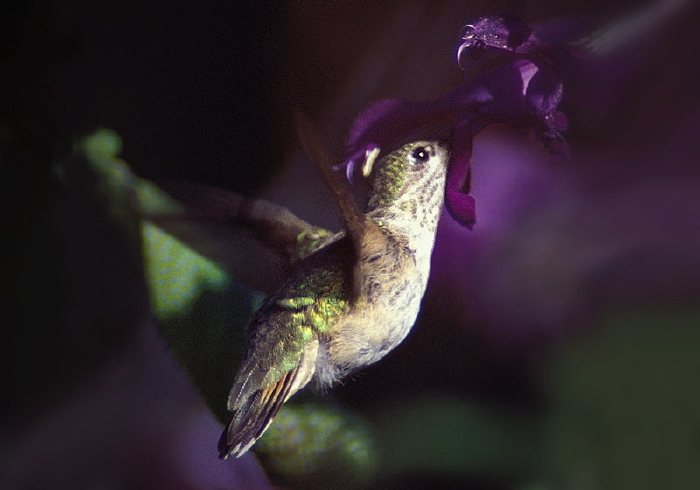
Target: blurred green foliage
(626,404)
(454,438)
(202,314)
(317,445)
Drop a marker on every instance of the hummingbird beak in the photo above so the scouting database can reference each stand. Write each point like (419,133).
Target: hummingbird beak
(370,157)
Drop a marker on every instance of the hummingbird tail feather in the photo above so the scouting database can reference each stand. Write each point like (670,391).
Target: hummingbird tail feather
(254,415)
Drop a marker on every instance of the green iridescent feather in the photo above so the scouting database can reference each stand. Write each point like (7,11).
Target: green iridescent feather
(389,180)
(311,305)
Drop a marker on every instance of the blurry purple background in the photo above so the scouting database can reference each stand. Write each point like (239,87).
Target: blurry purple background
(204,93)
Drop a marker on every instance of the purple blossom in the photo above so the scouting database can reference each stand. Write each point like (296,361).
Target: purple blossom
(512,77)
(556,248)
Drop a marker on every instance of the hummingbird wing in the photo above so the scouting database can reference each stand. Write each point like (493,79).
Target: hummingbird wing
(368,240)
(227,228)
(271,224)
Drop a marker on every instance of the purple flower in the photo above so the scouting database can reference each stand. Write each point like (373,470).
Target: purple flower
(612,229)
(512,77)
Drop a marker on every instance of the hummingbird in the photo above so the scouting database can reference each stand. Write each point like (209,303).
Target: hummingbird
(353,295)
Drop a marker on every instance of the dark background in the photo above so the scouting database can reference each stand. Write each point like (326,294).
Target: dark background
(203,92)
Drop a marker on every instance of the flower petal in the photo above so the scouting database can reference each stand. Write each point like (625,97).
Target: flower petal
(511,77)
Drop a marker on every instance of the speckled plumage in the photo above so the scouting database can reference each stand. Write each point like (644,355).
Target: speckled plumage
(324,322)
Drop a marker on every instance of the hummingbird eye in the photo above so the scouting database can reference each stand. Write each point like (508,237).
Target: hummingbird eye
(421,154)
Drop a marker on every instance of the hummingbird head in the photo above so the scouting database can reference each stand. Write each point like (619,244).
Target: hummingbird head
(410,179)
